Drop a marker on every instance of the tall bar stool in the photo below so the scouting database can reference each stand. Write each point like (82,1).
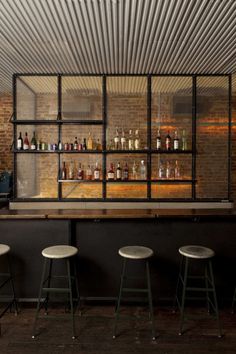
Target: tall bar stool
(142,254)
(7,279)
(198,253)
(59,252)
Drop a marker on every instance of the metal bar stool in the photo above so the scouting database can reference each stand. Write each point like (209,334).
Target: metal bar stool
(205,255)
(60,252)
(7,279)
(135,253)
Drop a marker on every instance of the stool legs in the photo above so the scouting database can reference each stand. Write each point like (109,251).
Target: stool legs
(48,285)
(148,290)
(14,302)
(71,298)
(209,289)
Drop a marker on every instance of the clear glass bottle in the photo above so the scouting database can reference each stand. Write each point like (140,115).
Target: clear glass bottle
(184,140)
(71,171)
(117,140)
(111,145)
(161,171)
(98,145)
(134,171)
(177,170)
(168,170)
(64,171)
(90,142)
(123,140)
(131,141)
(26,142)
(143,170)
(137,140)
(176,141)
(158,139)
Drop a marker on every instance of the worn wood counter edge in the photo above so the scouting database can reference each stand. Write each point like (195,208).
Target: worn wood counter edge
(6,214)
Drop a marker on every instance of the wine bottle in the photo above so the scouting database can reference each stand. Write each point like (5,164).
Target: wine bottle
(63,171)
(131,141)
(80,172)
(33,143)
(137,140)
(123,140)
(84,146)
(96,173)
(161,171)
(126,172)
(118,172)
(143,174)
(134,171)
(158,139)
(111,174)
(26,142)
(75,146)
(168,141)
(90,142)
(176,141)
(20,142)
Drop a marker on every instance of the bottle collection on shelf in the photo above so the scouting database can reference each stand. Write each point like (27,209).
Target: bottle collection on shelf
(83,144)
(123,142)
(71,172)
(169,170)
(169,143)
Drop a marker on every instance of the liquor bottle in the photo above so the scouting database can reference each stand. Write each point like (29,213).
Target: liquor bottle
(75,171)
(33,144)
(177,170)
(168,170)
(176,141)
(161,171)
(143,173)
(75,146)
(84,146)
(80,145)
(19,142)
(60,145)
(70,171)
(96,173)
(118,172)
(98,145)
(70,147)
(131,141)
(158,139)
(137,140)
(111,145)
(80,172)
(66,147)
(123,140)
(126,172)
(168,141)
(117,140)
(26,142)
(90,142)
(111,173)
(134,171)
(89,173)
(38,145)
(184,140)
(63,171)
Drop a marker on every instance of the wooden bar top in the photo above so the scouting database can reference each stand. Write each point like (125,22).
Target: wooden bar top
(6,214)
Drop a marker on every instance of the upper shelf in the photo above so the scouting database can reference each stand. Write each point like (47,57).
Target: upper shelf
(57,121)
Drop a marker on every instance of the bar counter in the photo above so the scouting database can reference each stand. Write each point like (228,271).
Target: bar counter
(99,234)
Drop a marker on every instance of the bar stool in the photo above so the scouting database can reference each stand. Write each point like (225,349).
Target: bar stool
(135,253)
(205,255)
(50,254)
(7,279)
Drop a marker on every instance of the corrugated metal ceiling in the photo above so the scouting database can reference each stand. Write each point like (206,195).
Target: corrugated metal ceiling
(116,36)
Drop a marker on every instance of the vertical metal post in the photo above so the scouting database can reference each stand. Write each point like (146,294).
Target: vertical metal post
(59,98)
(149,135)
(229,135)
(14,89)
(194,128)
(104,126)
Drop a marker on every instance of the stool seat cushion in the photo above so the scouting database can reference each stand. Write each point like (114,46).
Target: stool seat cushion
(194,251)
(135,252)
(4,249)
(59,251)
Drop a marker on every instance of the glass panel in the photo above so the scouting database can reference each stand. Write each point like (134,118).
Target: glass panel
(37,97)
(89,136)
(37,176)
(172,111)
(171,191)
(212,137)
(126,111)
(82,97)
(46,136)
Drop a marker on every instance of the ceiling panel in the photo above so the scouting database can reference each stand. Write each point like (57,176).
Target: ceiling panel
(116,36)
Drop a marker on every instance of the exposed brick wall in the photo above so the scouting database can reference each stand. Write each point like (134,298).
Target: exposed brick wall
(130,113)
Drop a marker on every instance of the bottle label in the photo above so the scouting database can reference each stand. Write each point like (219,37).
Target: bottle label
(136,144)
(176,144)
(116,139)
(130,144)
(26,147)
(96,175)
(110,175)
(158,143)
(118,174)
(33,147)
(167,144)
(19,144)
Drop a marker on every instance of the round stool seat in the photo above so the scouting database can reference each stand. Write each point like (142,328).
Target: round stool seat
(135,252)
(198,252)
(60,251)
(4,249)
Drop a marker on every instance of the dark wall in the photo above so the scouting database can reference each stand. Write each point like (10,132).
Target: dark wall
(98,261)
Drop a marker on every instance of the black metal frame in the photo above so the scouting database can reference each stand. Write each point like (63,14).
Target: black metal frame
(148,152)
